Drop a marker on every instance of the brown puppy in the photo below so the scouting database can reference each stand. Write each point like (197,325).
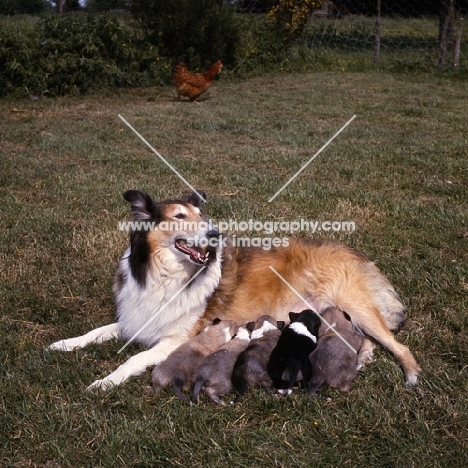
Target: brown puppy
(213,376)
(250,368)
(334,361)
(180,365)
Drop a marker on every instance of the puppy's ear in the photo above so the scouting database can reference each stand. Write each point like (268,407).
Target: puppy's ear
(250,326)
(196,199)
(317,323)
(293,316)
(280,324)
(216,321)
(142,205)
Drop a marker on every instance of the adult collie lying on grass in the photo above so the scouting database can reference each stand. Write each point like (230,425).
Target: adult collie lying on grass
(168,289)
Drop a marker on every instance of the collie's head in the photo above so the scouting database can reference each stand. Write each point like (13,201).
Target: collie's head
(169,232)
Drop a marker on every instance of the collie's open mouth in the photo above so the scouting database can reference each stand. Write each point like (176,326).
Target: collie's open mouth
(196,253)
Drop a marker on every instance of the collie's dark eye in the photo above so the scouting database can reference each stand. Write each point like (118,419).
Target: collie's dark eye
(180,216)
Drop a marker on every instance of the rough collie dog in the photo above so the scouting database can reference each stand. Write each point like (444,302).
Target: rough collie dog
(289,360)
(168,290)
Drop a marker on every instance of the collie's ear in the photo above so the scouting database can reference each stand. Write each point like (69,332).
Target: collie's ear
(196,199)
(142,205)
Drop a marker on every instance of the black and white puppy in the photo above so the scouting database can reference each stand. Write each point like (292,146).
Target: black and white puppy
(289,361)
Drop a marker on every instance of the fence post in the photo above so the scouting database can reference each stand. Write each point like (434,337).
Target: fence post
(456,55)
(377,35)
(445,28)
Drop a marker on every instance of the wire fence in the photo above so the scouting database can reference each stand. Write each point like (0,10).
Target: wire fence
(415,34)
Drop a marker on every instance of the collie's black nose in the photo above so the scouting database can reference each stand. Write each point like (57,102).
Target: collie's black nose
(212,233)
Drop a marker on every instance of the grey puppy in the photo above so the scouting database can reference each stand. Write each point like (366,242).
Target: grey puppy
(213,376)
(179,367)
(333,361)
(250,367)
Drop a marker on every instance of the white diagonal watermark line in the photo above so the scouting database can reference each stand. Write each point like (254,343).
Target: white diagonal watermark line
(311,308)
(172,168)
(312,158)
(161,309)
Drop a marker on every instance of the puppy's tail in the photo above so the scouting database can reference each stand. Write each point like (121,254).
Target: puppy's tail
(177,385)
(199,381)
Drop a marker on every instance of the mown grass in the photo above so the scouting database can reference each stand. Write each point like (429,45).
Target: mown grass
(400,171)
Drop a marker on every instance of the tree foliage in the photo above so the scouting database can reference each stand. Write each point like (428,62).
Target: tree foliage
(19,7)
(106,5)
(197,31)
(292,16)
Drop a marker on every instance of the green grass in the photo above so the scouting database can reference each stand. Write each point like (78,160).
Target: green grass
(400,171)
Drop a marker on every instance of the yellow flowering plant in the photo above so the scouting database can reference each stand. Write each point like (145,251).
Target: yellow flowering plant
(291,16)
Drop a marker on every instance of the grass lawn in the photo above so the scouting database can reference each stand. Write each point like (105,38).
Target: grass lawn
(399,171)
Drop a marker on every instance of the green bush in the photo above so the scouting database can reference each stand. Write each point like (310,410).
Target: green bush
(17,56)
(196,31)
(76,54)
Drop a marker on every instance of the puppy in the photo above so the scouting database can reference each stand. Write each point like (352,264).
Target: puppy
(334,362)
(180,365)
(213,376)
(250,367)
(289,360)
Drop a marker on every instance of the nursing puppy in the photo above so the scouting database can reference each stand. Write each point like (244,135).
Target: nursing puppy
(213,376)
(289,360)
(179,367)
(334,362)
(250,367)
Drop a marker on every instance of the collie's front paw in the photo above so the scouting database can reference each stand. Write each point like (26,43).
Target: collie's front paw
(102,384)
(64,345)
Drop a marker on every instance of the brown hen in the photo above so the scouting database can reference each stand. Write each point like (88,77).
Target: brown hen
(193,85)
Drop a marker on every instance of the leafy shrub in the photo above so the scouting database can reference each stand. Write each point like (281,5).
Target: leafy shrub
(17,56)
(260,49)
(76,54)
